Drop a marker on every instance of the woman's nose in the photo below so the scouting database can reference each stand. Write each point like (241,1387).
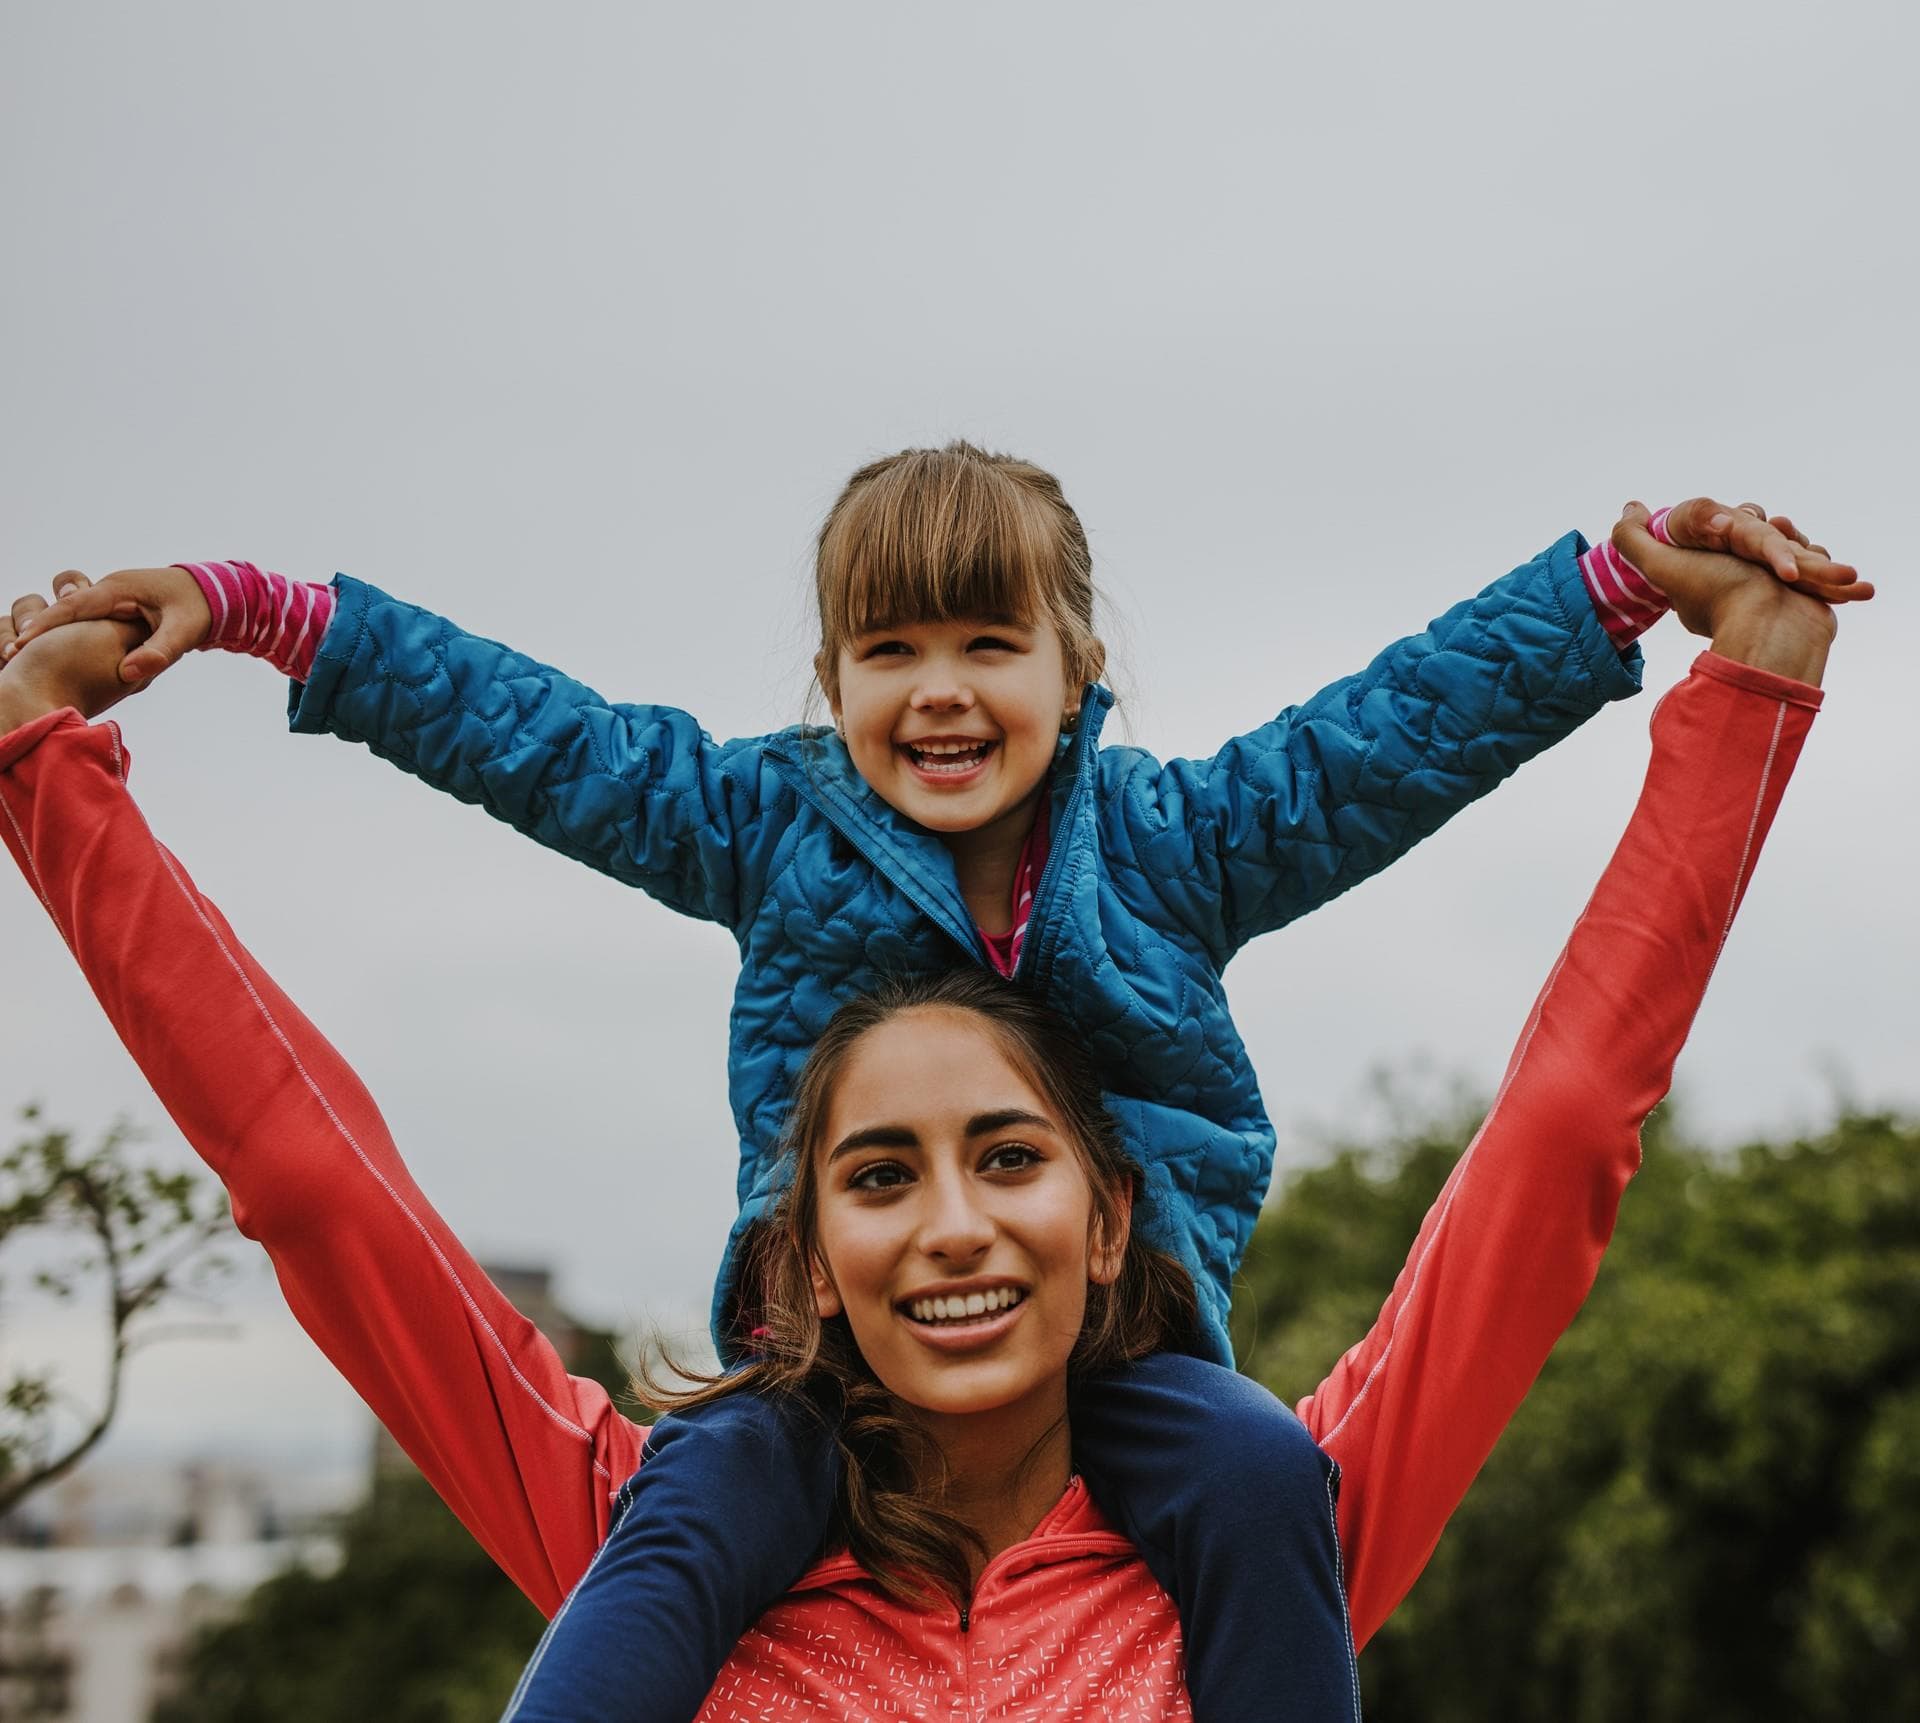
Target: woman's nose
(956,1229)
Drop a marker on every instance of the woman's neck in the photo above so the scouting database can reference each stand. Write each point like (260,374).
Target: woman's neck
(1004,1473)
(986,859)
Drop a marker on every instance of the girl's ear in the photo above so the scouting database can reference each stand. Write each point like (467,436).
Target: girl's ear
(1093,665)
(826,1296)
(1109,1243)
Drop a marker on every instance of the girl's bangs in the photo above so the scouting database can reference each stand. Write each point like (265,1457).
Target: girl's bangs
(911,554)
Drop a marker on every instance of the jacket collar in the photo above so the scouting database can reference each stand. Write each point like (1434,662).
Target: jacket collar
(1072,1527)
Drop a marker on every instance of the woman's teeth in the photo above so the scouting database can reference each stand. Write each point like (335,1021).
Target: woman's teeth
(947,756)
(965,1306)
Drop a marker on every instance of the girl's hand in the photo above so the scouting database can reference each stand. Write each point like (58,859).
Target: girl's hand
(167,601)
(1748,532)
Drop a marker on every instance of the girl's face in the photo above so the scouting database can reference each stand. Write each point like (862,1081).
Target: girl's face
(954,724)
(955,1223)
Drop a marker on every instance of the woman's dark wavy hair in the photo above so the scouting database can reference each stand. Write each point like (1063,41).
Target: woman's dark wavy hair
(890,1512)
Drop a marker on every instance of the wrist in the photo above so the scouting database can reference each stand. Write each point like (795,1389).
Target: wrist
(1770,627)
(16,707)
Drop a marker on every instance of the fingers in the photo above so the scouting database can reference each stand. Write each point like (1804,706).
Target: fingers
(1748,534)
(77,599)
(1772,542)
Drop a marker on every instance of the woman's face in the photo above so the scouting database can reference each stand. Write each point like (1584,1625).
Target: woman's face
(955,1221)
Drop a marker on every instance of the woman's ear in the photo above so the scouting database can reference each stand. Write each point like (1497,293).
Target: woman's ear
(1108,1248)
(826,1296)
(829,684)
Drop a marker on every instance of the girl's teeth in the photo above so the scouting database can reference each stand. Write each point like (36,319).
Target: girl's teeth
(948,756)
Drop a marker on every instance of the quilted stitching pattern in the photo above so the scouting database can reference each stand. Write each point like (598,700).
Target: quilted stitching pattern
(1164,870)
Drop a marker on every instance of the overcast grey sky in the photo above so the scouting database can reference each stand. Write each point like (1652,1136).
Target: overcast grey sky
(570,321)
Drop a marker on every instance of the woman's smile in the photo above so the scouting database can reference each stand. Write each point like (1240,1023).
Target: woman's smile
(964,1321)
(955,1222)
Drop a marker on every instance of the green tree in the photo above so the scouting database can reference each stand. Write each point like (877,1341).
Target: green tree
(1709,1507)
(105,1228)
(415,1625)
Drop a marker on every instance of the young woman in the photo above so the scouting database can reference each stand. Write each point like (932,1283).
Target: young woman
(913,1195)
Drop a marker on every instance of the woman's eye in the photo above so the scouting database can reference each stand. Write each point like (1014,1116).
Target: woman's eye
(1012,1158)
(879,1176)
(991,643)
(884,649)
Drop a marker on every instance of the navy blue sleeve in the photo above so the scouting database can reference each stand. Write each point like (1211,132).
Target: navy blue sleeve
(638,792)
(1290,815)
(731,1502)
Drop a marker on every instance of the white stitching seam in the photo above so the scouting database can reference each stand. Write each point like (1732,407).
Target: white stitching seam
(1340,1580)
(1753,825)
(559,1615)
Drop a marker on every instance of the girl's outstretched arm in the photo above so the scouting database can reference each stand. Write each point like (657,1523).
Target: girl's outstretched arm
(1330,792)
(1510,1248)
(639,792)
(527,1456)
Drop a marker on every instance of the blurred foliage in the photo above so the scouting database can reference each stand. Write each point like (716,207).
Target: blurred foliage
(100,1228)
(416,1624)
(1709,1506)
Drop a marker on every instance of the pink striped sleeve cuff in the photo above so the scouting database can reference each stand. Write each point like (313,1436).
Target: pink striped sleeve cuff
(264,615)
(1626,603)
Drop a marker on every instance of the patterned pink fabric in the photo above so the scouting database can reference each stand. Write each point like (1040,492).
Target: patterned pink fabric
(264,615)
(1003,949)
(1624,600)
(1067,1625)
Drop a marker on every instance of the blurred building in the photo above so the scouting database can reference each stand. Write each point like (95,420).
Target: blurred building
(106,1576)
(97,1601)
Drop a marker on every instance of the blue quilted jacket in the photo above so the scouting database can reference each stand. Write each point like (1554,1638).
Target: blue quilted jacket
(1156,874)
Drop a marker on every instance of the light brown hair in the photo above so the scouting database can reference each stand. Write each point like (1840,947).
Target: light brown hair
(889,1513)
(944,535)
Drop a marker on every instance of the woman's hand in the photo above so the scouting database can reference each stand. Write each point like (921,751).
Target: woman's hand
(1748,532)
(77,667)
(167,602)
(1749,614)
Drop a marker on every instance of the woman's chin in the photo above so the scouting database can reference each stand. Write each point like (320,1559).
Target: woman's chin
(955,1382)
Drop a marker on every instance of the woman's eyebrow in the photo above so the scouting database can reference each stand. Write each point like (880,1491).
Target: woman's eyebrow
(874,1137)
(985,1124)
